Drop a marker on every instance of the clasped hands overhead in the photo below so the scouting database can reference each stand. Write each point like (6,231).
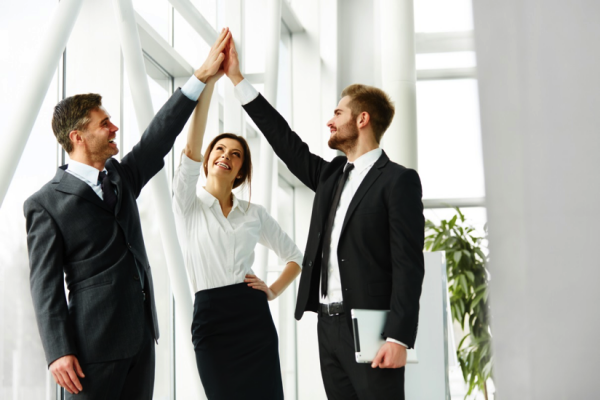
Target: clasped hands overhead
(222,59)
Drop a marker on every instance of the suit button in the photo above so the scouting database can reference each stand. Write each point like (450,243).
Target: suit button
(310,263)
(343,260)
(136,277)
(129,245)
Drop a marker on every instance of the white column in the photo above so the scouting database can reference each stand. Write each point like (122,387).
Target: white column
(35,87)
(539,124)
(140,92)
(398,78)
(267,159)
(232,110)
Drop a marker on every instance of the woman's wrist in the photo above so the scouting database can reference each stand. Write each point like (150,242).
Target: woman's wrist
(275,292)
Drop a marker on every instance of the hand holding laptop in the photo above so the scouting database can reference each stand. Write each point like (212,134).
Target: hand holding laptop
(390,355)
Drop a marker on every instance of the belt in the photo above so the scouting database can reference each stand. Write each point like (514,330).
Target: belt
(331,309)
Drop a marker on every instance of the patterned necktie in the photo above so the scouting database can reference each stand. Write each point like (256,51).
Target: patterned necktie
(110,198)
(329,226)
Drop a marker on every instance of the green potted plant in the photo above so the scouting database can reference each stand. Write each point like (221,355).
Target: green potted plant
(468,279)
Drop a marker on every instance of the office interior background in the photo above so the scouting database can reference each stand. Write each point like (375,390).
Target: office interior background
(511,86)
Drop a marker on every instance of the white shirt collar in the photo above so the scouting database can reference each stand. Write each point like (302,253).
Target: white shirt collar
(84,171)
(209,200)
(367,160)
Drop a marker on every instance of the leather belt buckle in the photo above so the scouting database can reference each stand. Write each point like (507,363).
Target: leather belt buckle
(332,309)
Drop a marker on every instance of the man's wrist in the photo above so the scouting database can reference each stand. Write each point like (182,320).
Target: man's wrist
(237,78)
(202,75)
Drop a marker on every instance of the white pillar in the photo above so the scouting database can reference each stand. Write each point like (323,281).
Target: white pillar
(35,87)
(232,110)
(398,78)
(539,125)
(267,159)
(140,92)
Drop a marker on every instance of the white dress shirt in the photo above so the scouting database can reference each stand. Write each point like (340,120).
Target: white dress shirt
(245,93)
(219,251)
(362,165)
(87,174)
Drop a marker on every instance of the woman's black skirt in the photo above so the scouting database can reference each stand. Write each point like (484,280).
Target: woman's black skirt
(236,344)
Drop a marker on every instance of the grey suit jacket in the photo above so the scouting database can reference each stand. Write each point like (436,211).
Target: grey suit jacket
(72,236)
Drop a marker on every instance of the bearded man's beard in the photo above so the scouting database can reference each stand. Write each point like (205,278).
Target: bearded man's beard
(345,138)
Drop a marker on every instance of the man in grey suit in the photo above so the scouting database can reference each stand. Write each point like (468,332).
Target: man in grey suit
(83,227)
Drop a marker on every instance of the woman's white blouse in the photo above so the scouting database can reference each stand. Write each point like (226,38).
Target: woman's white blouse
(219,251)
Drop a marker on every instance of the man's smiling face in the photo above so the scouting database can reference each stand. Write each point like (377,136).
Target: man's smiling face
(99,138)
(342,127)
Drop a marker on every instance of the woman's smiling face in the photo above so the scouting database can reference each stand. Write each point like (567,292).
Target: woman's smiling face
(226,159)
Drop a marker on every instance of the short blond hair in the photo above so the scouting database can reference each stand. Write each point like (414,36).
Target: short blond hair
(373,101)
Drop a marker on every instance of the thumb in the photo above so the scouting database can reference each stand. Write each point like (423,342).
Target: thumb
(78,369)
(378,359)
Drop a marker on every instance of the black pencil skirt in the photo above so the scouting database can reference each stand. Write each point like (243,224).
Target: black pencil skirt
(236,344)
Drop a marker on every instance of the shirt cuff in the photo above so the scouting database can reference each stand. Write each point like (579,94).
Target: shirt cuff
(189,166)
(192,88)
(396,341)
(245,92)
(297,259)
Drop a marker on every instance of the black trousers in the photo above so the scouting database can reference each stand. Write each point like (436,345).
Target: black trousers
(236,344)
(127,379)
(343,377)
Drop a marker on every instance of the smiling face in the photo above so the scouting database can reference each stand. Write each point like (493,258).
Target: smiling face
(97,141)
(343,129)
(225,160)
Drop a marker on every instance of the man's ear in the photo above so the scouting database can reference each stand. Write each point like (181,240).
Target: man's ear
(76,138)
(363,119)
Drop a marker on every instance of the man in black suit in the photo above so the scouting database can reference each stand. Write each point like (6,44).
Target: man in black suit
(365,243)
(83,227)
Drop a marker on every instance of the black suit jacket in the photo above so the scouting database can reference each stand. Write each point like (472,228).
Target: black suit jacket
(72,236)
(380,252)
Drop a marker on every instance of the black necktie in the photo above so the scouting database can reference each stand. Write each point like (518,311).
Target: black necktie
(110,198)
(329,226)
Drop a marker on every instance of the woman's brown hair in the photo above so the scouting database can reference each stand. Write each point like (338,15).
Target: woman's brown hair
(245,172)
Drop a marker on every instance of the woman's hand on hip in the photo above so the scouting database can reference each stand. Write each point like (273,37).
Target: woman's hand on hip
(256,283)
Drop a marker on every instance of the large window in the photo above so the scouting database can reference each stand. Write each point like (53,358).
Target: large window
(449,136)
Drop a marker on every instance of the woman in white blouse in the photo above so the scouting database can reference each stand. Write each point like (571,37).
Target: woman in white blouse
(233,333)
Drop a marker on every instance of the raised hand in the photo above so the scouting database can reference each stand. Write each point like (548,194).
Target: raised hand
(231,65)
(215,58)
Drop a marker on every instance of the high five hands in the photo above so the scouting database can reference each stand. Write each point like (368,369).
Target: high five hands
(222,59)
(212,69)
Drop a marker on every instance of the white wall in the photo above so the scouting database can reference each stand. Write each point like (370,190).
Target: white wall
(539,83)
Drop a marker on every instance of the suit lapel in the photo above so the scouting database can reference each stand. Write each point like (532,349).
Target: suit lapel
(67,183)
(371,177)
